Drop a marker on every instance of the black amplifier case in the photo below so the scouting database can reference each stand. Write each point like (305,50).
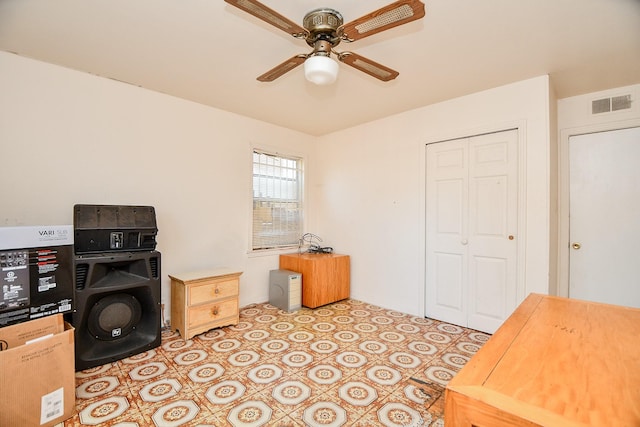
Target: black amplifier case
(118,306)
(114,228)
(117,283)
(36,272)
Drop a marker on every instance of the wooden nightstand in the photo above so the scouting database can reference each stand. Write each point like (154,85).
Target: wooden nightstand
(204,300)
(325,277)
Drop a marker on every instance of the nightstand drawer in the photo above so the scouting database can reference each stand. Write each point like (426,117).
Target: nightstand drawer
(210,313)
(200,294)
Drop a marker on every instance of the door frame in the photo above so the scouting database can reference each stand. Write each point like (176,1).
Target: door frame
(563,247)
(521,127)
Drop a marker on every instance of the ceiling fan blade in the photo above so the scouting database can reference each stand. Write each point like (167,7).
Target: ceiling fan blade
(283,68)
(368,66)
(393,15)
(268,15)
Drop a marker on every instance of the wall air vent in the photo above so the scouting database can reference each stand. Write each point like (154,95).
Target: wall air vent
(620,102)
(606,105)
(601,106)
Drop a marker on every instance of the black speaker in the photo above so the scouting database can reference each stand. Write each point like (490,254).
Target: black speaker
(118,312)
(114,228)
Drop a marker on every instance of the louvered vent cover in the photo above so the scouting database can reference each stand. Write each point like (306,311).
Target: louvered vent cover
(620,102)
(153,262)
(606,105)
(81,275)
(601,106)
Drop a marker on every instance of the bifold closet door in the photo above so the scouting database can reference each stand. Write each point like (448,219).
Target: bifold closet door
(471,230)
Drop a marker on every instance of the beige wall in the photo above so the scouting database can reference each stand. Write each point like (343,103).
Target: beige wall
(371,193)
(67,137)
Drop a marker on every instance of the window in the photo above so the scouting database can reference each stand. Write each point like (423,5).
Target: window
(277,200)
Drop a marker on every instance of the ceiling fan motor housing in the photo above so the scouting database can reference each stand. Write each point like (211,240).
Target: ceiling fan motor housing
(323,25)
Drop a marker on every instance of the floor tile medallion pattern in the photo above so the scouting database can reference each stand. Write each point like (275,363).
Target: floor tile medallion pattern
(344,364)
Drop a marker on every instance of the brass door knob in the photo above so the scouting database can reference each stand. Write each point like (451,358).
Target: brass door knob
(576,245)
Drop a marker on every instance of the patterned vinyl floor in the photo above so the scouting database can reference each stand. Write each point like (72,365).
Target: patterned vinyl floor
(344,364)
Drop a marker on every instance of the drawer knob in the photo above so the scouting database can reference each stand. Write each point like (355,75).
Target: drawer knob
(215,311)
(216,291)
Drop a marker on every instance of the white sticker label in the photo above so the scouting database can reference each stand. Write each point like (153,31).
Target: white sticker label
(52,405)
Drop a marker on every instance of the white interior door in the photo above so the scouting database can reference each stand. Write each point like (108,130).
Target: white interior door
(447,206)
(604,210)
(471,222)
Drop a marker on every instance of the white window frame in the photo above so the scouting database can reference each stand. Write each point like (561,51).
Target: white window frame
(278,193)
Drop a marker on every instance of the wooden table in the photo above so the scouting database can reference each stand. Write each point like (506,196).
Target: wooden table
(325,277)
(554,362)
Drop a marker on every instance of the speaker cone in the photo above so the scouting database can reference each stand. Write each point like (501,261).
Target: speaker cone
(114,316)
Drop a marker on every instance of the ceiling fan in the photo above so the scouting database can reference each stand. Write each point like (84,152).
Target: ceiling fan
(323,29)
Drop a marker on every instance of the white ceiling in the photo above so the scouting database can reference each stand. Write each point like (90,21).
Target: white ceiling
(210,52)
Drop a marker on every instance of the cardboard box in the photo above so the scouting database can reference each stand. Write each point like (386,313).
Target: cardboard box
(37,372)
(36,272)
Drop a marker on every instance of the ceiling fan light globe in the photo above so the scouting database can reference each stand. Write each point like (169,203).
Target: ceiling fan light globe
(320,69)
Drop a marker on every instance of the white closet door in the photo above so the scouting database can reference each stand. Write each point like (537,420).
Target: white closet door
(471,230)
(493,221)
(604,207)
(446,228)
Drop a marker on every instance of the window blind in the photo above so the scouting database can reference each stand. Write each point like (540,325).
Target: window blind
(277,200)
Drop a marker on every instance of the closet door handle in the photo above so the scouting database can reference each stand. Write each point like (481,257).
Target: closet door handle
(464,241)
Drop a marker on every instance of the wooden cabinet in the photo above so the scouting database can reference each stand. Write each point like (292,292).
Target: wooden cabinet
(204,300)
(325,277)
(554,362)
